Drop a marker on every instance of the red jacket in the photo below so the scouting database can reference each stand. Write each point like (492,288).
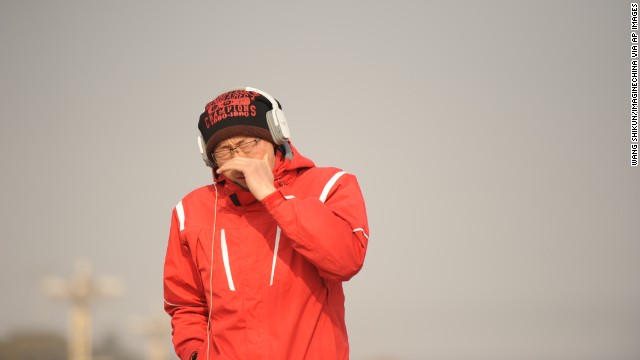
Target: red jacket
(275,288)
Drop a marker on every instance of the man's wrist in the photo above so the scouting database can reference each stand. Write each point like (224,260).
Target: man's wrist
(264,193)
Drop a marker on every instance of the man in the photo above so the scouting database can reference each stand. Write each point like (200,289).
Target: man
(256,260)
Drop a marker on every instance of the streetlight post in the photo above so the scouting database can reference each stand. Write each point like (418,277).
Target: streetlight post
(81,290)
(156,327)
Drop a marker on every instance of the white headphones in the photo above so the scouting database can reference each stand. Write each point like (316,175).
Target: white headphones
(275,119)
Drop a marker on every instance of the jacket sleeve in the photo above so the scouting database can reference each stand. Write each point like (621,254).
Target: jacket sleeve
(184,298)
(333,235)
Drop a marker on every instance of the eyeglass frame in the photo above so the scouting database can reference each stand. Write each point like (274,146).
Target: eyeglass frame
(235,150)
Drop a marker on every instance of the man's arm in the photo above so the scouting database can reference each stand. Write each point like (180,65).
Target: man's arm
(332,235)
(184,298)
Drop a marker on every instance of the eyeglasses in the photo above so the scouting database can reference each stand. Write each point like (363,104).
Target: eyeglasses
(246,147)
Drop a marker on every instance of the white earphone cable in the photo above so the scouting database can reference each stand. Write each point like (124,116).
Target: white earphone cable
(213,238)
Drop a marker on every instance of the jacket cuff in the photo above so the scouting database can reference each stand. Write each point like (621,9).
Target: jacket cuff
(274,199)
(190,353)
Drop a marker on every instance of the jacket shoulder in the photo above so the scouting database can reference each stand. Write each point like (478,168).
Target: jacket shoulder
(319,172)
(317,175)
(319,181)
(194,207)
(204,191)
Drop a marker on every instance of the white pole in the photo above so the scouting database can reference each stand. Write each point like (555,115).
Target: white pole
(81,291)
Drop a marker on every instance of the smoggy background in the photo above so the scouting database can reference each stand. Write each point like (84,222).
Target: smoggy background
(490,139)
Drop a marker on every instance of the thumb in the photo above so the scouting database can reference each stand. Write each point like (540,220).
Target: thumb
(270,165)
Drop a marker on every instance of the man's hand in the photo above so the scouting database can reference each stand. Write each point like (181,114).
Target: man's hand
(255,174)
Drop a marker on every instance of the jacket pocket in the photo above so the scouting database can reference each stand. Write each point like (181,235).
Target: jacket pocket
(214,262)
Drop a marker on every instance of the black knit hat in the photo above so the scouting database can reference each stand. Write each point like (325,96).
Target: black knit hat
(234,113)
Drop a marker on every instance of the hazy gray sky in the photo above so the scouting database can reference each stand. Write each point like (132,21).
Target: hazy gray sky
(491,141)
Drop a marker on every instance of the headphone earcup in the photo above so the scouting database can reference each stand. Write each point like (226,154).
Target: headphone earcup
(203,152)
(278,126)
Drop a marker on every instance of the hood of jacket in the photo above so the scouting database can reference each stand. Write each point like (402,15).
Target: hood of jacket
(288,162)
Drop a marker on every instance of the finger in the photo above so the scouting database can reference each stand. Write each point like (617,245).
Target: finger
(237,164)
(231,164)
(224,169)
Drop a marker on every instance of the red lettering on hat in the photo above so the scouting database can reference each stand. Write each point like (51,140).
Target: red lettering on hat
(231,104)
